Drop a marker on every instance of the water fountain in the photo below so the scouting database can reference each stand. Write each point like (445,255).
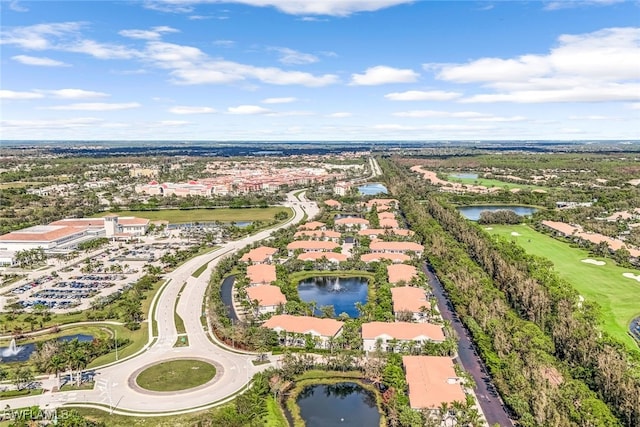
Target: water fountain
(12,350)
(336,285)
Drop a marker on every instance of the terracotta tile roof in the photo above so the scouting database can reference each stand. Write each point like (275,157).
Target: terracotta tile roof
(408,298)
(432,380)
(259,254)
(396,246)
(402,331)
(80,222)
(317,234)
(386,215)
(41,233)
(266,295)
(261,273)
(382,202)
(312,244)
(399,272)
(378,231)
(351,220)
(313,225)
(304,324)
(388,223)
(333,203)
(315,256)
(132,220)
(381,256)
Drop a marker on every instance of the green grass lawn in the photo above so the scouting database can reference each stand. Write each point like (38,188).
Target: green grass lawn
(616,295)
(494,183)
(274,416)
(19,184)
(176,375)
(200,270)
(176,216)
(186,420)
(22,393)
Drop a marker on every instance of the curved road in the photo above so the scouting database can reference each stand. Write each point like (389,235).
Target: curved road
(489,400)
(113,383)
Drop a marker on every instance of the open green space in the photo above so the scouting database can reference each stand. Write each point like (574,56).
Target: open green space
(274,416)
(616,294)
(176,375)
(113,420)
(10,394)
(19,184)
(489,183)
(176,216)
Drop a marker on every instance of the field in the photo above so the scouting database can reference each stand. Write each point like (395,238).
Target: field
(176,216)
(176,375)
(494,183)
(616,295)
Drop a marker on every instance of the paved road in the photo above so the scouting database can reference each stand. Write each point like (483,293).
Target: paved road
(488,398)
(115,384)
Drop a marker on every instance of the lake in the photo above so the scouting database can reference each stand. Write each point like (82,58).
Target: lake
(24,351)
(341,293)
(343,404)
(473,212)
(372,189)
(464,175)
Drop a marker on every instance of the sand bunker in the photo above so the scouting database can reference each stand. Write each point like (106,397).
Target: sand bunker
(488,228)
(593,261)
(515,233)
(632,276)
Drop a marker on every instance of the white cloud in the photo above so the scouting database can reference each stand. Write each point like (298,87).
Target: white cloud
(437,127)
(63,36)
(432,113)
(191,110)
(173,123)
(382,74)
(75,93)
(39,61)
(635,106)
(225,43)
(339,114)
(96,106)
(590,117)
(417,95)
(293,57)
(593,67)
(51,124)
(285,100)
(248,110)
(154,34)
(570,4)
(36,37)
(497,119)
(12,94)
(17,7)
(292,7)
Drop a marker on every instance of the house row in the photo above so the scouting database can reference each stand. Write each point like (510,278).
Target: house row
(385,336)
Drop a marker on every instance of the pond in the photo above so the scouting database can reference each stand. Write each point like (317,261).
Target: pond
(21,353)
(342,293)
(226,294)
(473,212)
(372,189)
(343,404)
(464,175)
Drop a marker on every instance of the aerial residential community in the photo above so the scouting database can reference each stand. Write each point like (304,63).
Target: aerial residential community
(312,213)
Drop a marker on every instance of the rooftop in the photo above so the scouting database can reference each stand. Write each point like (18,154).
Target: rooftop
(261,273)
(267,295)
(402,331)
(432,380)
(304,324)
(409,298)
(401,272)
(258,254)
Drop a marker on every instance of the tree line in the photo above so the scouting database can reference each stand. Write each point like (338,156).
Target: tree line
(549,361)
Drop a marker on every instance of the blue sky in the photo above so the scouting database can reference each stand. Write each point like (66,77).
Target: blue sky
(320,70)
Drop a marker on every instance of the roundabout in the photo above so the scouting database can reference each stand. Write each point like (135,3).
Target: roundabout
(175,376)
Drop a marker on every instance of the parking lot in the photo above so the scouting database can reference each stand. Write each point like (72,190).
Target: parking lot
(73,285)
